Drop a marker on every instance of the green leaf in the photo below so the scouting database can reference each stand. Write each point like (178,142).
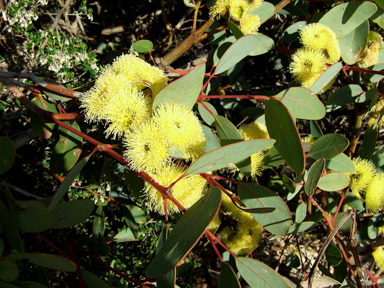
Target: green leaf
(265,44)
(343,96)
(30,284)
(321,282)
(369,144)
(367,95)
(142,46)
(272,159)
(228,278)
(7,155)
(39,125)
(373,78)
(301,227)
(352,46)
(71,213)
(67,150)
(352,200)
(224,156)
(8,227)
(169,279)
(301,212)
(302,103)
(50,261)
(124,235)
(328,146)
(98,226)
(252,112)
(235,30)
(222,48)
(205,114)
(53,95)
(314,174)
(211,140)
(333,255)
(281,127)
(333,182)
(292,33)
(134,183)
(264,11)
(67,183)
(226,131)
(8,270)
(184,90)
(315,129)
(30,216)
(378,17)
(130,221)
(341,163)
(257,274)
(185,234)
(346,17)
(92,280)
(255,196)
(102,247)
(236,52)
(326,77)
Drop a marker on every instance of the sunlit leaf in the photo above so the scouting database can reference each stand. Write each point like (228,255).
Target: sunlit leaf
(314,174)
(328,146)
(333,181)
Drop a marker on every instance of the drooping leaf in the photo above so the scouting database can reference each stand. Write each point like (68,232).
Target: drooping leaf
(66,183)
(185,234)
(233,153)
(314,174)
(125,235)
(343,96)
(50,261)
(226,131)
(264,11)
(373,78)
(142,46)
(184,90)
(8,270)
(169,279)
(7,155)
(315,129)
(346,17)
(8,227)
(326,77)
(369,144)
(333,181)
(92,280)
(333,255)
(42,128)
(301,227)
(228,278)
(102,247)
(236,52)
(71,213)
(205,114)
(98,226)
(265,44)
(292,33)
(211,140)
(341,163)
(367,95)
(67,150)
(328,146)
(257,274)
(281,127)
(352,45)
(256,196)
(301,212)
(302,103)
(235,30)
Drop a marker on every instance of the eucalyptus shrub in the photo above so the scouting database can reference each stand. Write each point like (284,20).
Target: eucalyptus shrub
(195,169)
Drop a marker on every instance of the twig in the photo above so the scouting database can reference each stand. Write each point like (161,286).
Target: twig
(20,191)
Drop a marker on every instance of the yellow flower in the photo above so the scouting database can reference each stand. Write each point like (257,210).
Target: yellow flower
(307,65)
(374,195)
(375,114)
(371,55)
(243,237)
(181,128)
(140,73)
(237,8)
(187,191)
(308,139)
(317,36)
(378,256)
(146,147)
(249,23)
(215,224)
(362,177)
(219,6)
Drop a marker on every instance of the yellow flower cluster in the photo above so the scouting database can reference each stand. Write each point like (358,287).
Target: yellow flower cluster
(243,237)
(239,10)
(253,131)
(371,53)
(367,184)
(378,256)
(152,138)
(320,47)
(117,98)
(375,115)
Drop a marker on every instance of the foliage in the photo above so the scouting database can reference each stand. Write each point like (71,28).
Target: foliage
(204,164)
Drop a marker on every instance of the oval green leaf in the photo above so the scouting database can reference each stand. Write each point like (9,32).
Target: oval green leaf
(301,227)
(265,44)
(302,103)
(98,226)
(236,52)
(8,227)
(272,159)
(341,163)
(314,174)
(185,234)
(47,260)
(205,114)
(142,46)
(281,127)
(228,278)
(71,213)
(343,96)
(92,280)
(326,77)
(328,146)
(333,182)
(292,33)
(256,196)
(226,131)
(184,90)
(67,150)
(257,274)
(369,144)
(8,270)
(211,140)
(264,11)
(367,95)
(230,154)
(352,46)
(333,255)
(7,155)
(39,125)
(301,212)
(373,78)
(66,183)
(346,17)
(235,30)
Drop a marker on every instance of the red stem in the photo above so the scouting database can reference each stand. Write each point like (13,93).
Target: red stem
(347,67)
